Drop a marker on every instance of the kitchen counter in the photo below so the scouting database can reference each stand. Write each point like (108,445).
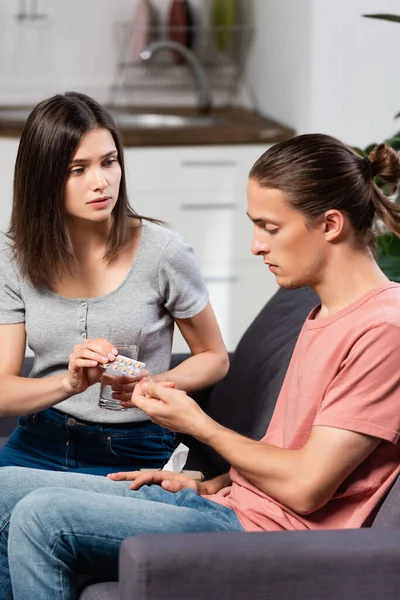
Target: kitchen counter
(236,126)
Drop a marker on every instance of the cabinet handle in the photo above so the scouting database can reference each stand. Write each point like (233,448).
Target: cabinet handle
(209,163)
(209,206)
(223,279)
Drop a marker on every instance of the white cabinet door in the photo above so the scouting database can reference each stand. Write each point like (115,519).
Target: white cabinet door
(172,169)
(195,168)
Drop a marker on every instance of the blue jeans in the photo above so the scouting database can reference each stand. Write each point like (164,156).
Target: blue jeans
(55,441)
(54,533)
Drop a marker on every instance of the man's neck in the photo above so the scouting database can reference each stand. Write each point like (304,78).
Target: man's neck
(346,280)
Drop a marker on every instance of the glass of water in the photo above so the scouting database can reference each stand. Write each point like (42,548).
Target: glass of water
(118,339)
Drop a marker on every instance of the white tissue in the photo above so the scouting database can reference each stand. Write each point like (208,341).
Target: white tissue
(177,460)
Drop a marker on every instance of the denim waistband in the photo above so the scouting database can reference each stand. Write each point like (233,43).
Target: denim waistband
(59,418)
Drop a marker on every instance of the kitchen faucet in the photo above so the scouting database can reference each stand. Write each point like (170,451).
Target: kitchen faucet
(203,94)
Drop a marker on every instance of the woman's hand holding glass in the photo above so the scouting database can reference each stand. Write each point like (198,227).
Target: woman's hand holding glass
(85,364)
(86,367)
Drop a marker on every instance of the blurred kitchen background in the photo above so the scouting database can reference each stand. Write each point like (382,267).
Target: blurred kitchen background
(196,115)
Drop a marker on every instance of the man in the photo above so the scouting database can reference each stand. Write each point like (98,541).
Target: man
(331,451)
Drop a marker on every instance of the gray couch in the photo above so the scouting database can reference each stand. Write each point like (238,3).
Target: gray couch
(318,565)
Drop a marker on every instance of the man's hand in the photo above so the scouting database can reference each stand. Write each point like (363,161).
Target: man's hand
(173,482)
(122,387)
(170,408)
(123,390)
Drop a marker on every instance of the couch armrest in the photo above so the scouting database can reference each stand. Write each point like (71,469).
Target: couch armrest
(306,565)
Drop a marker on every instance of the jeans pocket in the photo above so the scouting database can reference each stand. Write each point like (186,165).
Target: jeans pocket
(26,422)
(110,446)
(145,448)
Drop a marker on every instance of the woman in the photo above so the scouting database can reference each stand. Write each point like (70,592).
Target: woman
(77,262)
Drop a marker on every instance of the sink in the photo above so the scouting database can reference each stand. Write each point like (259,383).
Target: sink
(131,120)
(155,120)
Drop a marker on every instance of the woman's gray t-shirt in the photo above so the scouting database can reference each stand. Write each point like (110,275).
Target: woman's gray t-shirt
(163,283)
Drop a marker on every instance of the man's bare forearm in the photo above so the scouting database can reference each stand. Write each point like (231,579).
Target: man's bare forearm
(276,471)
(302,479)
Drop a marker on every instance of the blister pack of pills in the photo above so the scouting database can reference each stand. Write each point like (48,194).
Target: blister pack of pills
(122,365)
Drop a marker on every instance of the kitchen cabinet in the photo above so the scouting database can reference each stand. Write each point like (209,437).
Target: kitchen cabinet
(201,192)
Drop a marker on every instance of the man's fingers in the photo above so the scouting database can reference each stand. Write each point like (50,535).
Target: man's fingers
(138,401)
(139,478)
(157,390)
(172,485)
(124,476)
(147,479)
(172,482)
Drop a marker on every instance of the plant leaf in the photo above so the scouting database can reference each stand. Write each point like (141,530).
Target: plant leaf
(394,142)
(384,17)
(389,255)
(359,151)
(390,265)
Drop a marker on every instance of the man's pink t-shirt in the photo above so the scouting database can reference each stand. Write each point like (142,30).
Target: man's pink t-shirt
(344,373)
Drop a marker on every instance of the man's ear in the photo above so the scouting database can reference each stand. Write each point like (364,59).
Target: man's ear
(334,224)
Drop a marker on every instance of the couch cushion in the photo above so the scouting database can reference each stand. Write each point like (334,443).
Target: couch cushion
(389,512)
(245,399)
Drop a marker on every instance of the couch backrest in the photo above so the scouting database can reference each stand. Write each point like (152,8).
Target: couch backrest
(245,399)
(389,512)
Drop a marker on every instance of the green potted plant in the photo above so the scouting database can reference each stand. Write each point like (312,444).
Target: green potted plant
(388,248)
